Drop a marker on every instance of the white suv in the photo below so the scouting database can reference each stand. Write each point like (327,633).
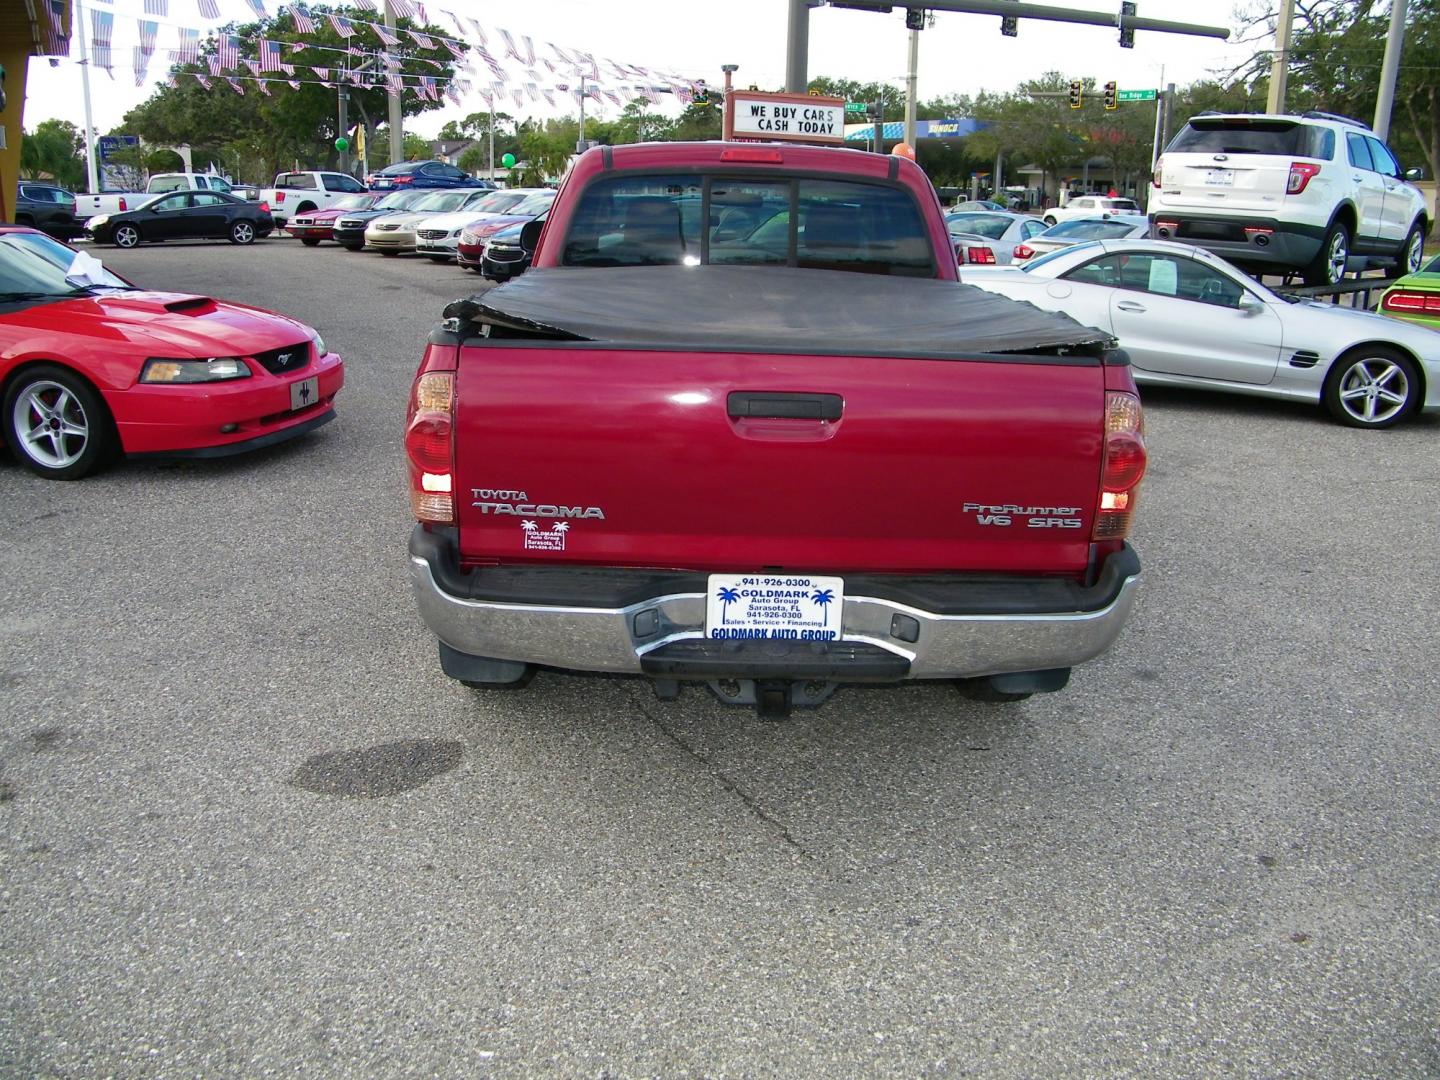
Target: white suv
(1091,206)
(1300,193)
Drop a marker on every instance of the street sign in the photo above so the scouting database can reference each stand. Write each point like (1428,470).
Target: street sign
(785,117)
(1135,95)
(855,106)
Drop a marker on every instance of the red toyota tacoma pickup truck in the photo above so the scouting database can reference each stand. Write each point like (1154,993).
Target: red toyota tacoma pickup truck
(741,425)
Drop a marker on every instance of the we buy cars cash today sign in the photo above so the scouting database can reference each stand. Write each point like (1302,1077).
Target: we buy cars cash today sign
(754,114)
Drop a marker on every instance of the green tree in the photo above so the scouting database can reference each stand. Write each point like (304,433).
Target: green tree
(54,150)
(638,124)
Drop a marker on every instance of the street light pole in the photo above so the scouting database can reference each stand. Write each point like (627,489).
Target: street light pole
(727,124)
(397,123)
(1280,59)
(580,142)
(911,80)
(1389,69)
(77,20)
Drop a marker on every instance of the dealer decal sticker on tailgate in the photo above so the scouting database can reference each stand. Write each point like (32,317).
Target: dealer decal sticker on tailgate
(552,539)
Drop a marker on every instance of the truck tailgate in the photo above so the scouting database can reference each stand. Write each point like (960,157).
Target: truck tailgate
(580,452)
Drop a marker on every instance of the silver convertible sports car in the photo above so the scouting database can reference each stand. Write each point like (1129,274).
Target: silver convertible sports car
(1188,318)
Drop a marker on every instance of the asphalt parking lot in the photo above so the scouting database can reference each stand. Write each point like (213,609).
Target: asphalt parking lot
(248,828)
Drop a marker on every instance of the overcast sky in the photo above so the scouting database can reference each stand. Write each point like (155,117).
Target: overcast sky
(960,54)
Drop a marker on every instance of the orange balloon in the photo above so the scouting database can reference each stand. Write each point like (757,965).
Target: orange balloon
(904,150)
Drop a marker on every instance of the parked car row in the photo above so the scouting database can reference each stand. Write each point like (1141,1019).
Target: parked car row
(1000,238)
(454,225)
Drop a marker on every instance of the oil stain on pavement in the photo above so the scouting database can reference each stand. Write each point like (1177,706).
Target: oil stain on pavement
(376,772)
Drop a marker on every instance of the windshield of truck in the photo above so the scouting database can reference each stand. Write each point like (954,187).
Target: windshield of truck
(660,220)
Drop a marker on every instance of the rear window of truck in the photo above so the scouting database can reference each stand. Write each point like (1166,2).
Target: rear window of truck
(659,220)
(1232,136)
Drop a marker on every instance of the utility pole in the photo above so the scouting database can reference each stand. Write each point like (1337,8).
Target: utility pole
(1390,69)
(911,80)
(1159,111)
(580,147)
(344,126)
(1280,59)
(1169,113)
(797,49)
(78,15)
(491,157)
(397,122)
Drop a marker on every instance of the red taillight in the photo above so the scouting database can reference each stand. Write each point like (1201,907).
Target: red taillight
(429,447)
(1123,465)
(1410,302)
(404,179)
(279,197)
(264,207)
(982,255)
(123,206)
(1023,251)
(768,157)
(1155,176)
(1301,173)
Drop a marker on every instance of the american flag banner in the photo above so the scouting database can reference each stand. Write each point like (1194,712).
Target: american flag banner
(457,51)
(383,34)
(209,9)
(157,7)
(296,46)
(101,24)
(189,50)
(56,41)
(288,69)
(529,50)
(323,72)
(367,5)
(548,65)
(533,91)
(235,85)
(490,62)
(421,39)
(303,23)
(549,96)
(427,89)
(170,81)
(612,96)
(479,32)
(452,95)
(353,51)
(342,26)
(561,53)
(498,87)
(253,65)
(227,50)
(519,96)
(214,64)
(263,85)
(617,68)
(403,9)
(454,19)
(257,6)
(269,55)
(145,50)
(594,67)
(685,97)
(424,17)
(202,80)
(510,48)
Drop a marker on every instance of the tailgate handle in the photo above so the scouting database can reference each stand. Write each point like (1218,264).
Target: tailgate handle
(781,405)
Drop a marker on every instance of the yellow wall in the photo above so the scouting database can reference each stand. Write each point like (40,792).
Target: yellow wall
(15,56)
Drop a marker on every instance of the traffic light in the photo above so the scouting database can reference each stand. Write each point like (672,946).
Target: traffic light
(702,93)
(1010,26)
(1111,92)
(1077,94)
(914,19)
(1127,34)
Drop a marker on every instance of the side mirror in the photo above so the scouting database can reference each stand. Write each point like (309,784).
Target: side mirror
(530,235)
(1414,174)
(1250,306)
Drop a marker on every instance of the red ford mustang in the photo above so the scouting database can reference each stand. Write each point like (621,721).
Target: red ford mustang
(91,367)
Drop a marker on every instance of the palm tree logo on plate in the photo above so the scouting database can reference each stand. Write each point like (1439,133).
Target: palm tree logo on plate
(726,596)
(823,597)
(529,526)
(561,527)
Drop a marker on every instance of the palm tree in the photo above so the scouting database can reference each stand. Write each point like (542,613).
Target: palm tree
(561,527)
(823,597)
(528,526)
(727,597)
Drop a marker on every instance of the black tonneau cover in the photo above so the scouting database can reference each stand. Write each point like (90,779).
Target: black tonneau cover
(778,309)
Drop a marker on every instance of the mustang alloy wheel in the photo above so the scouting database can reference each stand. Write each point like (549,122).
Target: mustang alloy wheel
(1372,387)
(242,232)
(126,236)
(57,423)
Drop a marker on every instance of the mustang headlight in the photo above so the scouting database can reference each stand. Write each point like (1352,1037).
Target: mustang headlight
(319,343)
(215,369)
(98,219)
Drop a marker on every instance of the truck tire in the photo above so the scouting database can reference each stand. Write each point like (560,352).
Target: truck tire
(983,691)
(1328,266)
(1372,386)
(49,398)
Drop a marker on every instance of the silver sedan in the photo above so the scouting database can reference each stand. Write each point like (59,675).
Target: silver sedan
(989,238)
(1078,230)
(1189,318)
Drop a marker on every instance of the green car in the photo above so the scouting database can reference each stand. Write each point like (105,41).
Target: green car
(1415,297)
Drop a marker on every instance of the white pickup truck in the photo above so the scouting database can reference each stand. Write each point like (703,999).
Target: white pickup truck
(115,202)
(302,192)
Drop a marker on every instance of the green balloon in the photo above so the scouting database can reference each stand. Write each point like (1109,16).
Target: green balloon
(508,161)
(342,144)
